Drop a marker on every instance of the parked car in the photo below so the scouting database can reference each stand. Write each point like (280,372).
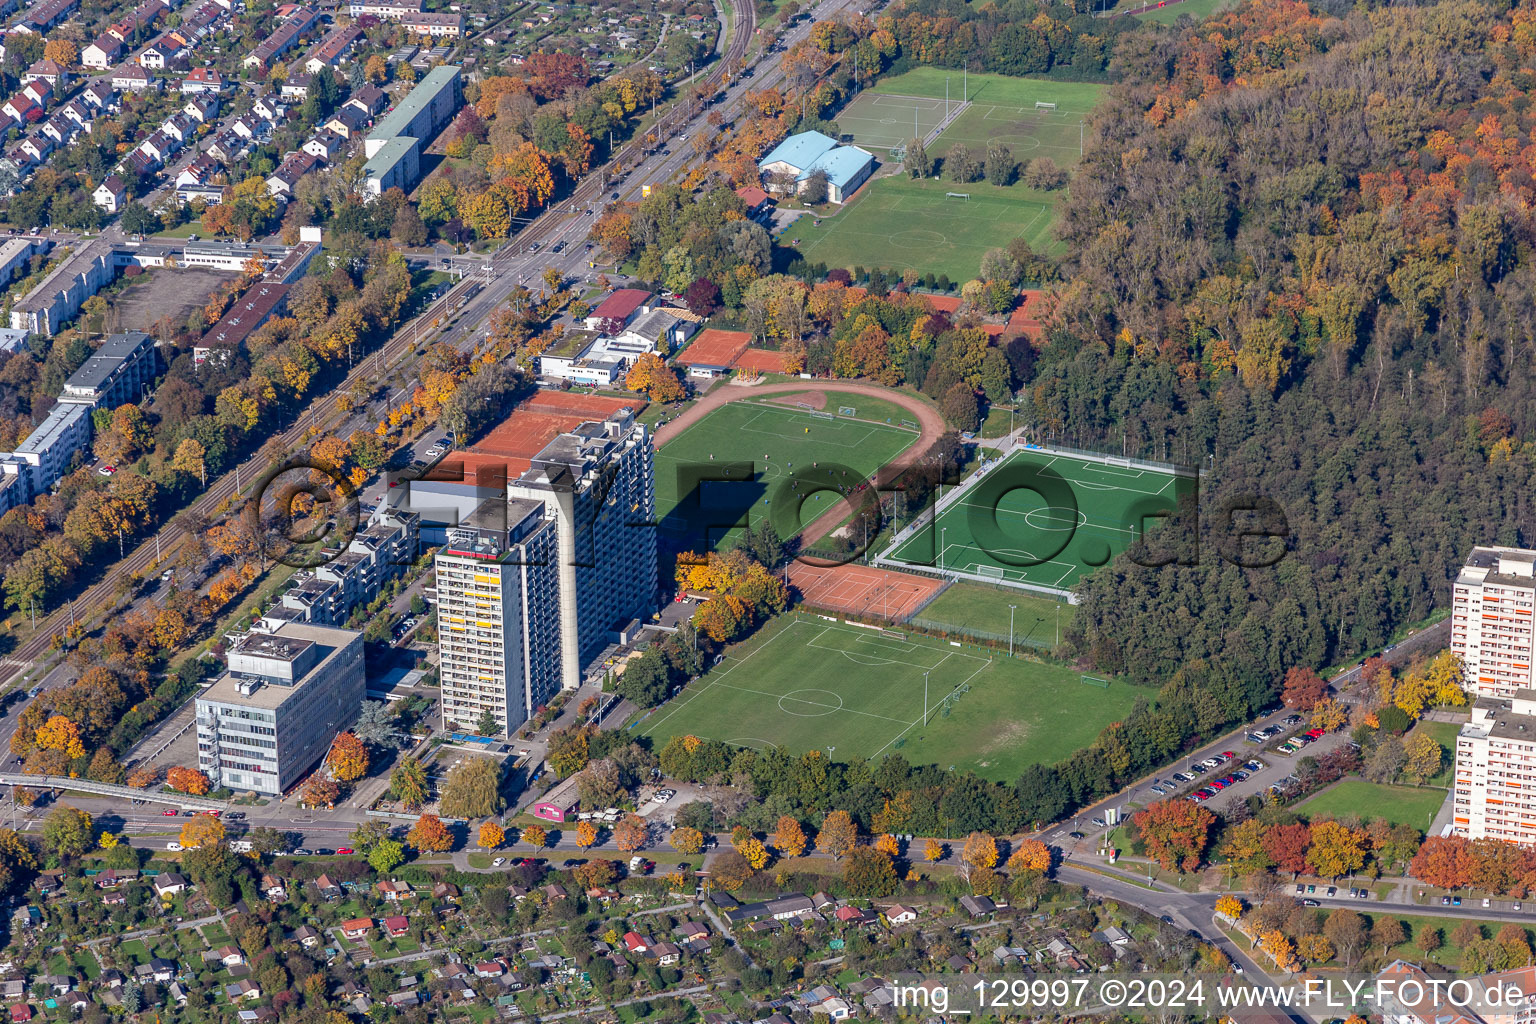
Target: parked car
(344,851)
(173,846)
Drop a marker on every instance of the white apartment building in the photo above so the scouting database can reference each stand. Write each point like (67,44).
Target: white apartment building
(263,725)
(600,486)
(497,616)
(1495,793)
(1491,628)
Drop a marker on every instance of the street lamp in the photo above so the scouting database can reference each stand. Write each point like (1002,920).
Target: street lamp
(1011,609)
(942,531)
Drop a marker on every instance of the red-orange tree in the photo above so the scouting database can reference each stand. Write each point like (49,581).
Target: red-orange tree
(1175,833)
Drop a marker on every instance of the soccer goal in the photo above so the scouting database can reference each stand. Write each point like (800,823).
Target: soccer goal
(1042,105)
(957,195)
(822,415)
(994,571)
(847,410)
(1088,680)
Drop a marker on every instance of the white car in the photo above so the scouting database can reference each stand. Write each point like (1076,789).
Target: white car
(173,847)
(498,862)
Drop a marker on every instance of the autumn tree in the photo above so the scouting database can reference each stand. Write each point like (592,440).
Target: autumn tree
(68,831)
(789,836)
(188,780)
(1175,833)
(320,791)
(651,374)
(1348,932)
(1030,856)
(586,835)
(838,834)
(630,833)
(429,835)
(202,830)
(348,758)
(1229,907)
(1286,846)
(490,836)
(869,872)
(408,783)
(687,841)
(1336,849)
(888,845)
(933,851)
(979,852)
(1302,688)
(473,789)
(755,852)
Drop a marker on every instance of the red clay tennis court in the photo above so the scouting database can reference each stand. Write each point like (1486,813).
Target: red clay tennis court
(547,414)
(862,590)
(715,347)
(761,360)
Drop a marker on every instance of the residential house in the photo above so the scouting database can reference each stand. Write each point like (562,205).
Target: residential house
(179,127)
(50,71)
(203,80)
(306,936)
(667,953)
(281,181)
(394,891)
(370,99)
(297,87)
(269,108)
(898,914)
(21,1012)
(348,122)
(100,96)
(227,147)
(59,984)
(977,906)
(201,107)
(133,78)
(22,108)
(37,147)
(245,988)
(114,898)
(161,969)
(446,891)
(333,49)
(166,52)
(229,956)
(357,928)
(489,969)
(169,884)
(78,113)
(103,53)
(274,889)
(26,917)
(199,172)
(397,925)
(249,127)
(328,889)
(40,90)
(324,145)
(553,893)
(160,146)
(636,943)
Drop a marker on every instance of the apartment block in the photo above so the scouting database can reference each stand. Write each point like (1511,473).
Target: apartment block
(1495,793)
(270,719)
(497,615)
(353,575)
(1491,628)
(599,484)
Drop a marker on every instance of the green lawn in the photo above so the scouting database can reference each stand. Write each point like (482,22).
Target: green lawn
(807,683)
(1197,9)
(895,223)
(1000,90)
(1044,519)
(1400,805)
(1449,953)
(1444,734)
(134,950)
(714,475)
(979,609)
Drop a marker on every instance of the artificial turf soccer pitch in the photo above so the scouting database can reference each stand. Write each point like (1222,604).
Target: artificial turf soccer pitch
(899,223)
(1043,518)
(810,684)
(714,475)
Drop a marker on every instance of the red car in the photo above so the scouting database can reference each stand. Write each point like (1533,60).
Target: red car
(344,851)
(213,814)
(1228,754)
(169,812)
(1315,733)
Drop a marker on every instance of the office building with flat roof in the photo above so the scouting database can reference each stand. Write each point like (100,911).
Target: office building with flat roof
(264,724)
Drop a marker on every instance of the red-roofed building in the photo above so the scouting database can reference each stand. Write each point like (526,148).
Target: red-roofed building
(759,203)
(620,307)
(396,926)
(21,1012)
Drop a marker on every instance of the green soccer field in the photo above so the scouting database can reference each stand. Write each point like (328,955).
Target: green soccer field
(986,611)
(1076,98)
(1041,518)
(897,223)
(730,467)
(880,121)
(808,684)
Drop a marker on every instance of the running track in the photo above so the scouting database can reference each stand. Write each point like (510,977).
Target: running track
(928,419)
